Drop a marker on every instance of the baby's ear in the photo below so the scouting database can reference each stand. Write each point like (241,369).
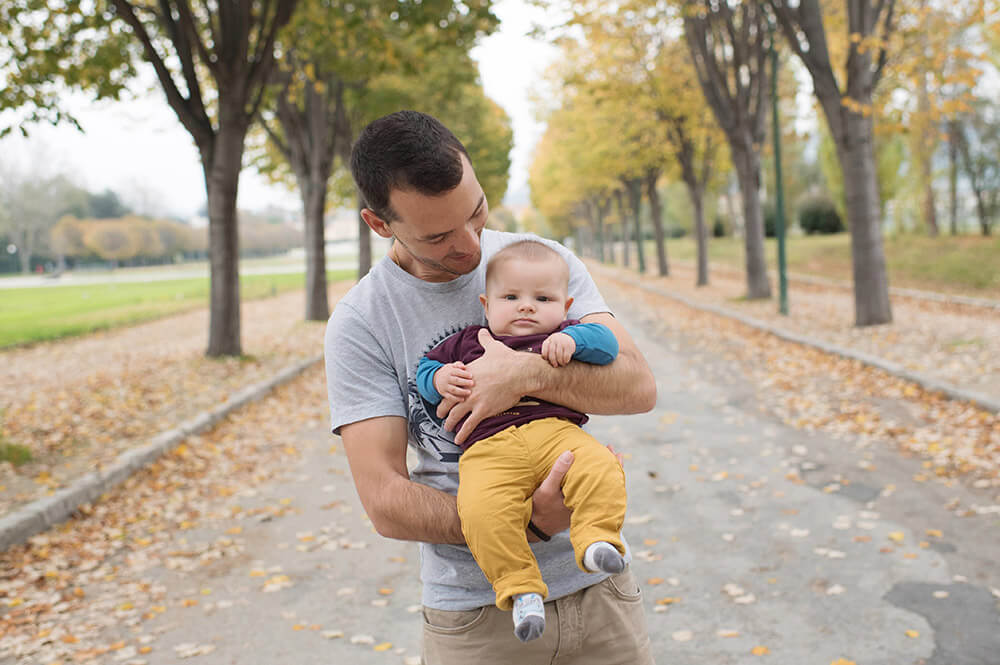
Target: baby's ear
(569,303)
(482,300)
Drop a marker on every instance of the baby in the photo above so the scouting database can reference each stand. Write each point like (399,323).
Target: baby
(507,456)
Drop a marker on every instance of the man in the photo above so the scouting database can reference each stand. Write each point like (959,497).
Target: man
(420,190)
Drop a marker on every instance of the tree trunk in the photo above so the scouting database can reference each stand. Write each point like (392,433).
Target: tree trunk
(656,212)
(700,231)
(314,207)
(926,142)
(634,189)
(871,280)
(984,222)
(736,223)
(597,220)
(222,167)
(747,163)
(623,216)
(953,177)
(24,256)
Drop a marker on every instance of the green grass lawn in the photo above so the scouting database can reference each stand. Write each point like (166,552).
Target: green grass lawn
(965,264)
(44,313)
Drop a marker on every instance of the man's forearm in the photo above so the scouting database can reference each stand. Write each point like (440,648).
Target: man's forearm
(411,511)
(624,386)
(424,514)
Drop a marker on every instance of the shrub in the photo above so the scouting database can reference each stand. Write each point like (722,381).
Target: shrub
(818,214)
(719,228)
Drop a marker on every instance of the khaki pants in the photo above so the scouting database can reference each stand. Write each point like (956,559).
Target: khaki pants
(497,477)
(603,624)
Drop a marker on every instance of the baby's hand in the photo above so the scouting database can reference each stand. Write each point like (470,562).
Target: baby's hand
(558,348)
(453,380)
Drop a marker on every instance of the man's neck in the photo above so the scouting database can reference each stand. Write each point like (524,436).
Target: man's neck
(405,260)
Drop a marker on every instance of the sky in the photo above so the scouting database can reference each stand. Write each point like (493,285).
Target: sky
(139,149)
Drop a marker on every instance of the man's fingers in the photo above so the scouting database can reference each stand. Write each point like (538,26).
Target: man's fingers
(446,405)
(553,481)
(456,414)
(470,424)
(485,338)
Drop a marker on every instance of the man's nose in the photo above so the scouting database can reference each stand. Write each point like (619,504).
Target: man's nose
(470,239)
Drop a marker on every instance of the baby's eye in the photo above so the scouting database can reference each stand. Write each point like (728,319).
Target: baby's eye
(543,298)
(510,296)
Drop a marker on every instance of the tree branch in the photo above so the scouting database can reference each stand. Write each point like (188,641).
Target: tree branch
(179,35)
(200,130)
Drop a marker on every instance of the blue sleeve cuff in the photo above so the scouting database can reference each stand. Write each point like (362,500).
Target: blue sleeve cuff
(425,379)
(595,343)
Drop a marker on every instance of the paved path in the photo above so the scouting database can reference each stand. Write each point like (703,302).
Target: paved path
(746,553)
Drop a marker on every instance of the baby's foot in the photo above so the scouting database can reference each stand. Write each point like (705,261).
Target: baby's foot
(603,557)
(529,616)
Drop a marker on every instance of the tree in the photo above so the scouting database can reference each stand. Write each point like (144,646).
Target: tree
(847,106)
(66,239)
(692,135)
(334,58)
(212,61)
(934,63)
(729,45)
(33,206)
(105,205)
(979,145)
(112,239)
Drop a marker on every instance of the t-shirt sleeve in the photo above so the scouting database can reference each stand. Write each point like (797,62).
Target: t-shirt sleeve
(586,297)
(361,381)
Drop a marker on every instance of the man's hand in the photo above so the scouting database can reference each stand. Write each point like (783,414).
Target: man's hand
(496,381)
(453,380)
(558,348)
(548,509)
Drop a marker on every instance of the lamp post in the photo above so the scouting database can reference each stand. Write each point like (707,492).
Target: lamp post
(779,219)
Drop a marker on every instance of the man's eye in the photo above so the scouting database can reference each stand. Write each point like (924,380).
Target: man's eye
(436,241)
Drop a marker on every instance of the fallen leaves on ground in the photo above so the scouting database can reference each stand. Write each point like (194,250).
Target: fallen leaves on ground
(815,391)
(75,592)
(77,404)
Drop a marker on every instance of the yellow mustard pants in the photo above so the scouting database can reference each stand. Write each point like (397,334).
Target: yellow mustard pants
(497,477)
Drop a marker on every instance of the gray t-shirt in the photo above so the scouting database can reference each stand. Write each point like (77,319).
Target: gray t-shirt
(374,341)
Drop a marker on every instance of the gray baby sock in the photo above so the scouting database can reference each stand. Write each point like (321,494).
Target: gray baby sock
(529,616)
(603,557)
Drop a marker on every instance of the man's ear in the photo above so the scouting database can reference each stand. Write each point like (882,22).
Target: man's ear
(569,303)
(376,223)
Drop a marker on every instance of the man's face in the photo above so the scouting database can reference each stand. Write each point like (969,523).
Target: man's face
(437,237)
(526,297)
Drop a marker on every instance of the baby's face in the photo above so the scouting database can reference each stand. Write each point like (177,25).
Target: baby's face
(527,297)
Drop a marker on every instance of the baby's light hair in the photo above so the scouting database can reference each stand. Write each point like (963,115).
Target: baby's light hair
(529,250)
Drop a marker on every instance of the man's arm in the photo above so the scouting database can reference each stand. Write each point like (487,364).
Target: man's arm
(503,376)
(402,509)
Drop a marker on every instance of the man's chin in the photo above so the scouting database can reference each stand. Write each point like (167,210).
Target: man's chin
(465,266)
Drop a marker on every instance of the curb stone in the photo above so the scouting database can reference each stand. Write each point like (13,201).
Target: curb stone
(981,400)
(41,514)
